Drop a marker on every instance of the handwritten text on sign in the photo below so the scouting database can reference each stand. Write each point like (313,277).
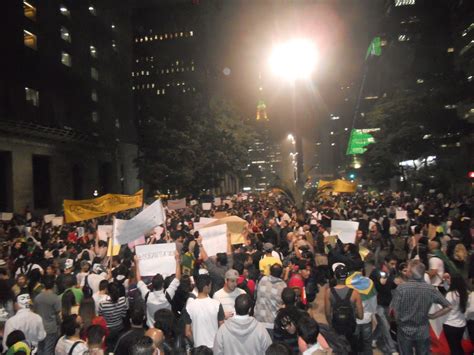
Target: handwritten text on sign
(156,258)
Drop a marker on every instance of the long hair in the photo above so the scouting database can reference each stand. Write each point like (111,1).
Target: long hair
(87,311)
(67,302)
(459,286)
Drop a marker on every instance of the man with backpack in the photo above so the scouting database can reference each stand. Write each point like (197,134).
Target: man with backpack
(343,305)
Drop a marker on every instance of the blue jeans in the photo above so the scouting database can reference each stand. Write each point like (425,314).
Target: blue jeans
(413,346)
(46,347)
(363,335)
(382,331)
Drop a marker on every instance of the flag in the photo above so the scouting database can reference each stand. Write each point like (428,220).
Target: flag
(362,284)
(375,48)
(81,210)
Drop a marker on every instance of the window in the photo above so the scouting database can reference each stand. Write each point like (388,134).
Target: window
(450,50)
(29,11)
(32,96)
(404,2)
(117,123)
(95,116)
(65,34)
(94,95)
(191,33)
(92,10)
(30,40)
(64,11)
(94,73)
(66,59)
(403,38)
(93,51)
(114,46)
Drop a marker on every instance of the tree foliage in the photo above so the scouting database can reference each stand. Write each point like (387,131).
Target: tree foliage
(192,146)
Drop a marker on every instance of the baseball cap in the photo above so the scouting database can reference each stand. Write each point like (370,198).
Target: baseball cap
(268,247)
(335,265)
(341,272)
(231,274)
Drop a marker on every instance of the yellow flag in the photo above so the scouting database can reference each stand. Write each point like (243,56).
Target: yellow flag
(80,210)
(344,186)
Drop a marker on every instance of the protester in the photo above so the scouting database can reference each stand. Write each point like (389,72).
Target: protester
(229,293)
(71,343)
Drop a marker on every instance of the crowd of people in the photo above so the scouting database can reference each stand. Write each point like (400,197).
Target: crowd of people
(292,287)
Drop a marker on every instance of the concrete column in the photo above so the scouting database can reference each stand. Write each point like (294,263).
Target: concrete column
(22,171)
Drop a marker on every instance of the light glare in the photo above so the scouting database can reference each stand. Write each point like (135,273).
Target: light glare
(294,59)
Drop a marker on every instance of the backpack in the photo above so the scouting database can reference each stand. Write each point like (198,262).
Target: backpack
(86,289)
(343,315)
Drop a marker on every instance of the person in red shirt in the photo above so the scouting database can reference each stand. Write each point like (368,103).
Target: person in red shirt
(243,281)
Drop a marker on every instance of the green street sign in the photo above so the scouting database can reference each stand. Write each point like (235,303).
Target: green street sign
(359,139)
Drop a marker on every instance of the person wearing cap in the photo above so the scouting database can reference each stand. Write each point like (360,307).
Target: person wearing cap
(31,324)
(228,294)
(98,274)
(268,259)
(342,292)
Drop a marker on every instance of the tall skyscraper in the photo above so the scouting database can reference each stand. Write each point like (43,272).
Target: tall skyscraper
(66,107)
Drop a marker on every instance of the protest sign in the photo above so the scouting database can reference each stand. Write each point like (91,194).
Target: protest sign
(401,214)
(113,247)
(156,258)
(193,202)
(126,231)
(104,232)
(6,216)
(177,204)
(206,206)
(202,222)
(345,230)
(214,239)
(80,210)
(80,232)
(48,218)
(217,201)
(235,226)
(219,215)
(57,221)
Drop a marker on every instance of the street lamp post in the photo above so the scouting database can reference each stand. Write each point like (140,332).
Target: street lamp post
(294,61)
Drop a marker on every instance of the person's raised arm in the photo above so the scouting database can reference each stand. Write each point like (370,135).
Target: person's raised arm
(327,305)
(202,251)
(229,244)
(178,264)
(137,270)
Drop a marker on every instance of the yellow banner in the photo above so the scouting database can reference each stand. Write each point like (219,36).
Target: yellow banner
(80,210)
(338,185)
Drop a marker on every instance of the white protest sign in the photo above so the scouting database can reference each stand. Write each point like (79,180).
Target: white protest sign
(126,231)
(202,222)
(48,217)
(57,221)
(104,232)
(156,258)
(345,230)
(193,202)
(177,204)
(6,216)
(80,232)
(401,214)
(214,239)
(217,201)
(139,241)
(206,206)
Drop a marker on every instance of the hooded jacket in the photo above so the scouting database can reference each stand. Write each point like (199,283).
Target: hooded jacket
(241,335)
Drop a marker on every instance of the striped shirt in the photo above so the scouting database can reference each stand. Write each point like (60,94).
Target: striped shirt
(412,302)
(113,313)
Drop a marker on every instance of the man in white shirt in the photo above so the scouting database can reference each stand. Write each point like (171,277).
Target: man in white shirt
(157,298)
(203,316)
(227,295)
(97,275)
(31,324)
(435,271)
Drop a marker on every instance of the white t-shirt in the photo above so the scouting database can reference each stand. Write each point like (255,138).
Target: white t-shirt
(226,299)
(98,299)
(455,318)
(94,280)
(438,264)
(64,345)
(204,316)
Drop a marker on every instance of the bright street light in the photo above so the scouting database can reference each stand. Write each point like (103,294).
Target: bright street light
(294,59)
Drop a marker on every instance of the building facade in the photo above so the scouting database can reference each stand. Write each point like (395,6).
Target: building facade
(66,108)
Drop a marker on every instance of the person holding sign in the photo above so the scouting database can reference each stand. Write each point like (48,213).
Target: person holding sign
(157,298)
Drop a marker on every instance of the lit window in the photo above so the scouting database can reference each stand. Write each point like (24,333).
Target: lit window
(181,34)
(114,46)
(192,68)
(166,35)
(64,10)
(94,95)
(161,38)
(152,86)
(450,50)
(117,123)
(29,11)
(147,86)
(156,36)
(191,33)
(30,39)
(93,51)
(143,73)
(133,87)
(113,26)
(32,96)
(420,81)
(146,38)
(171,35)
(95,116)
(163,91)
(176,34)
(158,92)
(147,73)
(133,73)
(66,59)
(92,10)
(94,74)
(404,2)
(65,34)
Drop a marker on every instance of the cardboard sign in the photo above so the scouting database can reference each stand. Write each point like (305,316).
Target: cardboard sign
(48,218)
(177,204)
(105,232)
(57,221)
(156,259)
(214,239)
(217,201)
(401,214)
(126,231)
(6,216)
(206,206)
(345,230)
(202,222)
